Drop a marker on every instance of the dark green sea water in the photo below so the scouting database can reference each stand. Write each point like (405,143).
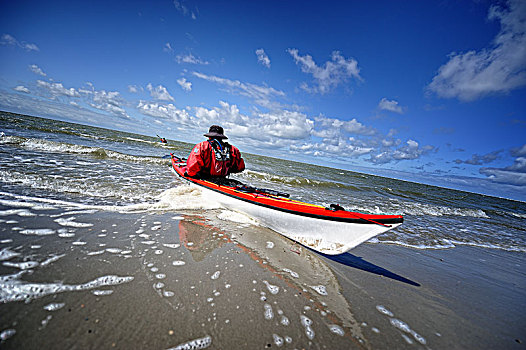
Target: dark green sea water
(48,162)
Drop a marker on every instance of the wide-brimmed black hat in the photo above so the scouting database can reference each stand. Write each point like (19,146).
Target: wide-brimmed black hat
(215,131)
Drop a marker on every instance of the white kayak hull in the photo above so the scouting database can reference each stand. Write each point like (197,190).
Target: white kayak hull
(325,236)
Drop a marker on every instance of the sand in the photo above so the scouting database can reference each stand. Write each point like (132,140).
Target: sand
(162,281)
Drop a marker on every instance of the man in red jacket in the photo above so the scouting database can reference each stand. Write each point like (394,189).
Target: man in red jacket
(214,158)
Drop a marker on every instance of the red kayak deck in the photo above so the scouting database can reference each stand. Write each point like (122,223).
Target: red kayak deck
(289,205)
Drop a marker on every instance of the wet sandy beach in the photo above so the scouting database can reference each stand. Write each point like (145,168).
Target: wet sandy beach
(95,279)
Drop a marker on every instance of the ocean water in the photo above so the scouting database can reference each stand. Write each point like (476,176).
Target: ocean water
(48,164)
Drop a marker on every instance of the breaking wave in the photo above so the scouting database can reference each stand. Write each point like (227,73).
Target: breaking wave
(68,148)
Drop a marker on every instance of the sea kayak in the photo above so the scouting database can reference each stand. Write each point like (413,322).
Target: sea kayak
(329,230)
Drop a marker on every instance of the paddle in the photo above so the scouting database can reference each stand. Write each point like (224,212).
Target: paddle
(171,155)
(250,189)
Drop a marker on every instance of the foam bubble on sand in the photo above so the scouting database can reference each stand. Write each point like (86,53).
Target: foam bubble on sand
(51,259)
(171,245)
(404,327)
(178,263)
(307,322)
(113,250)
(16,290)
(292,273)
(98,252)
(155,228)
(71,222)
(334,328)
(269,314)
(21,265)
(74,212)
(7,333)
(148,242)
(284,321)
(215,275)
(320,289)
(270,245)
(196,344)
(66,235)
(6,254)
(272,288)
(178,218)
(277,340)
(228,215)
(102,292)
(78,243)
(38,232)
(384,311)
(54,306)
(5,241)
(19,212)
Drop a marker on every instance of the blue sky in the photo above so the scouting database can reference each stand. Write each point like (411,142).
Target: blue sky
(427,91)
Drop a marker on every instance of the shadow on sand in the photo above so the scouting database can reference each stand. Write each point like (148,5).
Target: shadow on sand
(361,264)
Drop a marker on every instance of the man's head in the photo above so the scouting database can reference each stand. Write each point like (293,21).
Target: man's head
(216,132)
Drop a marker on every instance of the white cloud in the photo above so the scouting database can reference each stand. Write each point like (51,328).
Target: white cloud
(262,95)
(390,105)
(159,93)
(21,88)
(182,8)
(168,48)
(57,89)
(331,127)
(36,69)
(332,74)
(165,111)
(189,58)
(477,159)
(340,148)
(263,58)
(10,40)
(57,109)
(133,89)
(412,150)
(275,127)
(499,68)
(107,101)
(185,85)
(514,174)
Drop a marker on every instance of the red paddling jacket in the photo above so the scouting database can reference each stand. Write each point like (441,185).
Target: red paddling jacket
(214,158)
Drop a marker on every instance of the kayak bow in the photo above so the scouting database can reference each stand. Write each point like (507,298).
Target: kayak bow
(330,230)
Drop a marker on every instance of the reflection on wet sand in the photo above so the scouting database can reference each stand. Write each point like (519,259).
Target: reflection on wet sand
(297,267)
